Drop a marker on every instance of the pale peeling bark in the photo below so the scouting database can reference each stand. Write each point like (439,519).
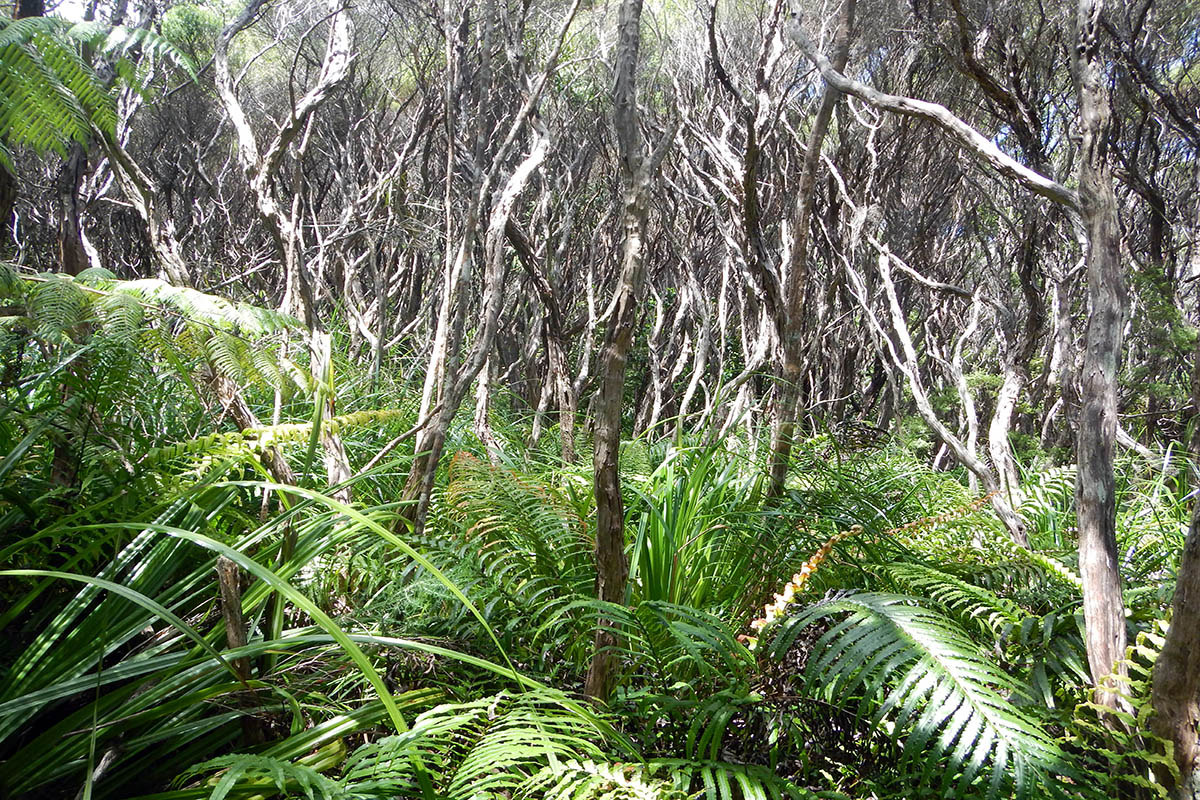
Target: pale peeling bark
(483,404)
(455,382)
(1095,493)
(906,360)
(1003,460)
(896,347)
(143,195)
(447,379)
(700,353)
(975,142)
(261,169)
(558,383)
(965,395)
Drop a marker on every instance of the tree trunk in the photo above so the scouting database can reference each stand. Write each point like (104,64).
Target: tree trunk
(1176,689)
(262,168)
(795,285)
(71,253)
(8,199)
(1095,487)
(612,568)
(1176,692)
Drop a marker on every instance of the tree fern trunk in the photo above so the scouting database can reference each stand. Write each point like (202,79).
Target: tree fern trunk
(72,256)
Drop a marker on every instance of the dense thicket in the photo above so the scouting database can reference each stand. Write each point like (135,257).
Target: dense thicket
(878,321)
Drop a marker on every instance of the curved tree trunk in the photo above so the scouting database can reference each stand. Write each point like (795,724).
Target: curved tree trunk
(1176,690)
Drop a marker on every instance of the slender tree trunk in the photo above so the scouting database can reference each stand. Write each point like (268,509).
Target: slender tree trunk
(483,401)
(556,361)
(637,168)
(71,253)
(8,200)
(796,283)
(906,360)
(1003,460)
(145,197)
(1095,487)
(262,168)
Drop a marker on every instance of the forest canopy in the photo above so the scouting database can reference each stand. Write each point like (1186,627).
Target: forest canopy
(599,400)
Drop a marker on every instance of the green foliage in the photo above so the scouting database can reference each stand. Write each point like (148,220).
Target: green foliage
(192,28)
(265,773)
(921,662)
(105,372)
(52,94)
(492,747)
(1126,759)
(918,675)
(699,538)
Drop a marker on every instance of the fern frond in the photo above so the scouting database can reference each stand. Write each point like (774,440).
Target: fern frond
(209,310)
(11,285)
(531,539)
(121,317)
(489,748)
(119,44)
(592,780)
(925,682)
(57,305)
(50,96)
(717,780)
(954,594)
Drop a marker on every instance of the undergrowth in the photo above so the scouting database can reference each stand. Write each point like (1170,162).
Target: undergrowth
(900,659)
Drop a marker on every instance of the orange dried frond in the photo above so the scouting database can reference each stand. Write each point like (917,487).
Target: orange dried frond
(787,596)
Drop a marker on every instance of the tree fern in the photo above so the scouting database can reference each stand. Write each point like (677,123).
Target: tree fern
(50,95)
(924,682)
(57,305)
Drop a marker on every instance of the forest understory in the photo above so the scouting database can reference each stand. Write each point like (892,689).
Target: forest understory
(599,401)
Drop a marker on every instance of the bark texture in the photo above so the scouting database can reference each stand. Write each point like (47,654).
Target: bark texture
(1175,694)
(637,167)
(281,219)
(1104,611)
(1176,691)
(796,283)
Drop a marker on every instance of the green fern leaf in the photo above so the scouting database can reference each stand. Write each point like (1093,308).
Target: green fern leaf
(929,685)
